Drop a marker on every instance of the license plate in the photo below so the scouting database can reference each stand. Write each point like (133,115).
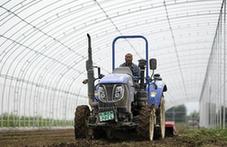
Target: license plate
(105,116)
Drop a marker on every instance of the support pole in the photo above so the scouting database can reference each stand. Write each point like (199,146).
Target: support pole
(224,98)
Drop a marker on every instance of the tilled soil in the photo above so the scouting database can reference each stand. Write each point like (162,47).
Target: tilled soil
(65,138)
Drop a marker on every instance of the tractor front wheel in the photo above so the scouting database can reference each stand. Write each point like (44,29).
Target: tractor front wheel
(80,122)
(146,122)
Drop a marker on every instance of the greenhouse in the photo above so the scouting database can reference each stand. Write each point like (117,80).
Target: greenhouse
(44,49)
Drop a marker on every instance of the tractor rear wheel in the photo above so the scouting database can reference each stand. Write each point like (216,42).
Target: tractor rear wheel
(162,118)
(146,122)
(80,121)
(160,121)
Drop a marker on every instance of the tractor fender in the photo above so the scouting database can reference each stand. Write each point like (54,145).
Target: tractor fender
(156,92)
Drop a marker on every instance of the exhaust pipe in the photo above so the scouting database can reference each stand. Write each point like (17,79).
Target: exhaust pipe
(90,73)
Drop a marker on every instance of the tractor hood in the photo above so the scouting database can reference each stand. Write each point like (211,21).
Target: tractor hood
(116,78)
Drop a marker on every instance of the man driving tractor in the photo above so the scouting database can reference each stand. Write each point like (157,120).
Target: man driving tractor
(128,63)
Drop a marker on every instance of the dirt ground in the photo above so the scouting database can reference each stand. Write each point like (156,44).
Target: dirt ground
(65,138)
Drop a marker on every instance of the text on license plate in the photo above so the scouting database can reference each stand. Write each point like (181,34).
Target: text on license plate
(105,116)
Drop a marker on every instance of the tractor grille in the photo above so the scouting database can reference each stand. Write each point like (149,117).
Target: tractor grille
(109,92)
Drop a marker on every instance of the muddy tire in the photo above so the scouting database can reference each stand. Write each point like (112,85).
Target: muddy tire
(146,122)
(80,121)
(160,126)
(162,118)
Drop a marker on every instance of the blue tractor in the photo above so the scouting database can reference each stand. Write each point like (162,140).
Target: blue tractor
(120,101)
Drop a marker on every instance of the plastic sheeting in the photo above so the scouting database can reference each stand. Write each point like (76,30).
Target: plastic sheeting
(43,48)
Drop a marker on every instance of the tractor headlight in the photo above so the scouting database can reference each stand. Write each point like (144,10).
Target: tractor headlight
(101,93)
(118,92)
(153,94)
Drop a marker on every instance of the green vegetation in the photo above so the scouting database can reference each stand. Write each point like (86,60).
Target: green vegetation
(11,120)
(211,133)
(203,136)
